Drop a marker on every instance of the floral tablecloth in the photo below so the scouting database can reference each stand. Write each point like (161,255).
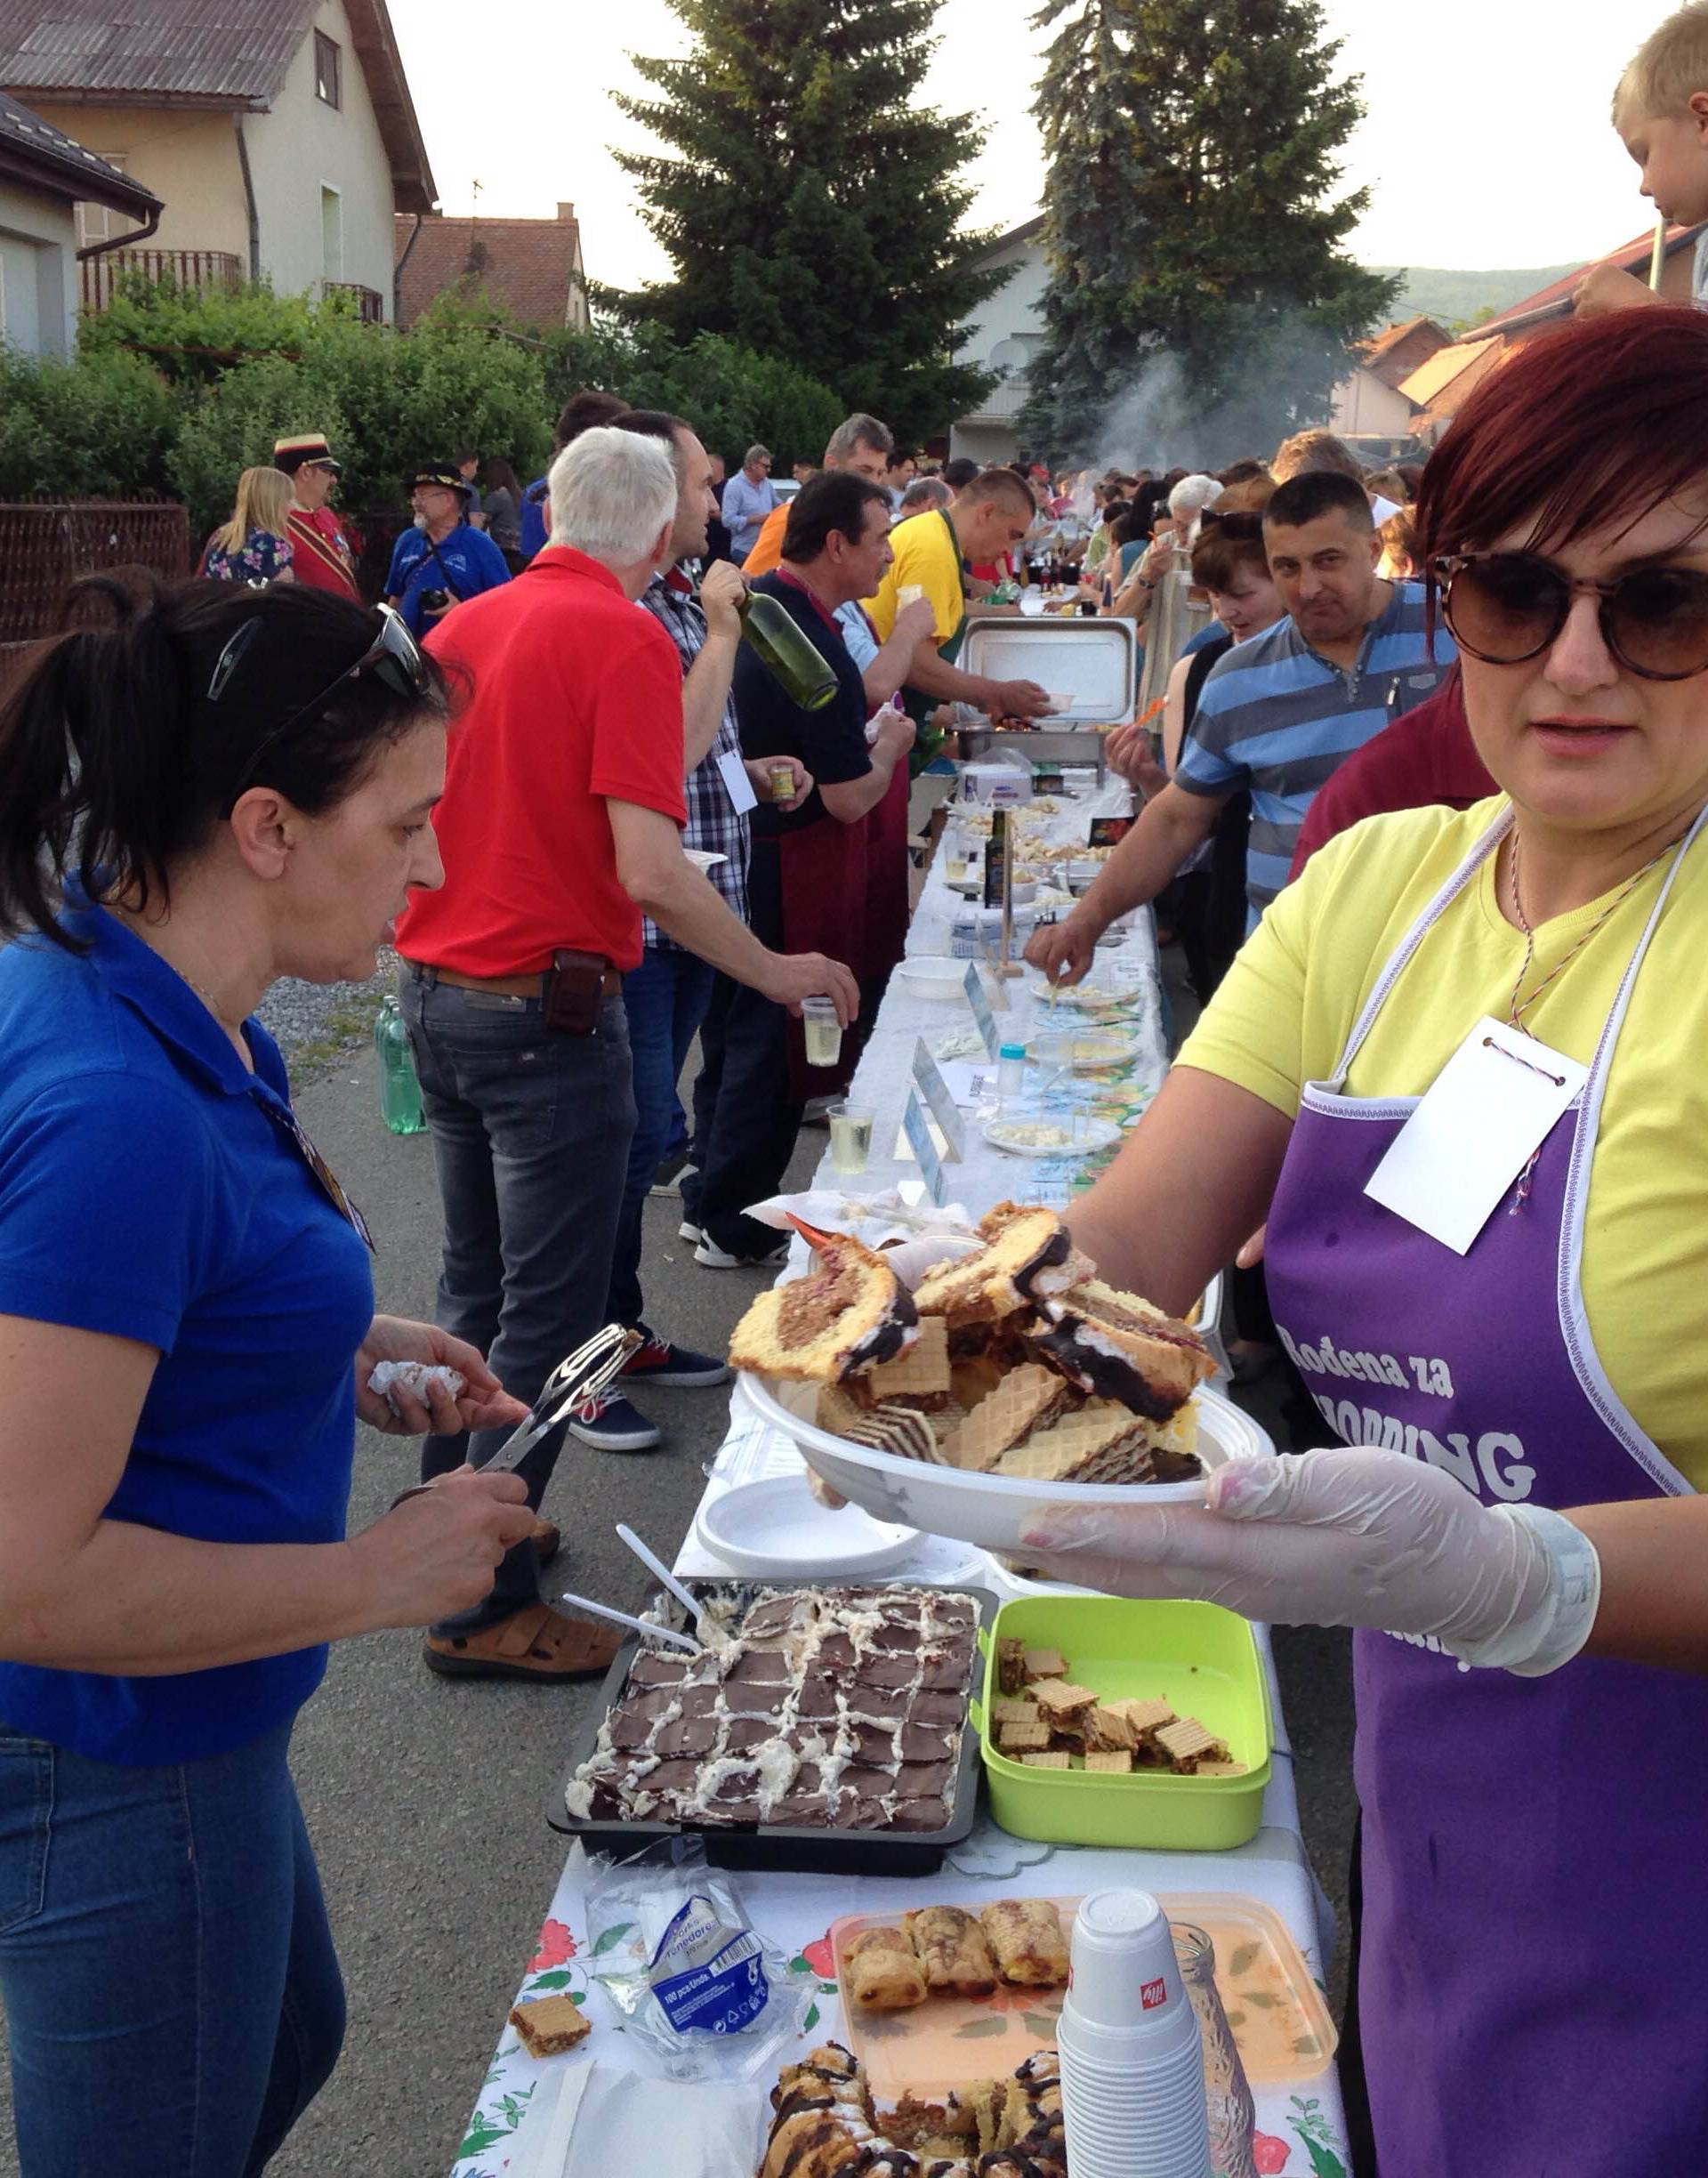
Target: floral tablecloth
(1301,2129)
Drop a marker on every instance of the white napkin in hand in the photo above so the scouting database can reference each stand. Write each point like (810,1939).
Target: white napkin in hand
(689,2128)
(876,1220)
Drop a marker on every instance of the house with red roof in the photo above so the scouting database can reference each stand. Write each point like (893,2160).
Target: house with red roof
(531,268)
(1438,387)
(1369,410)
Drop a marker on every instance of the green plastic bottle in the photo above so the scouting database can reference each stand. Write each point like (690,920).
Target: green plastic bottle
(786,651)
(399,1089)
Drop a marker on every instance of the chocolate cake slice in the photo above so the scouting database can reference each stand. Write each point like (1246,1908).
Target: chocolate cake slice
(1115,1346)
(845,1315)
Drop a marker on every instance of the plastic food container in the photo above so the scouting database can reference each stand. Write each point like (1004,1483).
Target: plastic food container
(933,978)
(1278,2015)
(1202,1659)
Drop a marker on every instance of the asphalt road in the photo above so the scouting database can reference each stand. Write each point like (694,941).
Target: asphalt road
(427,1797)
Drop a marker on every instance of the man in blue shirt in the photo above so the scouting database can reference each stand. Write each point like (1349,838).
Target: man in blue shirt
(1279,713)
(748,497)
(443,559)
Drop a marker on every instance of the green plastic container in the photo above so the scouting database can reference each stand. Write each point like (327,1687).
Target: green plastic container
(1201,1658)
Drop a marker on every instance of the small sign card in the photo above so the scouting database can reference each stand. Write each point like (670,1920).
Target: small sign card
(943,1107)
(981,1012)
(918,1131)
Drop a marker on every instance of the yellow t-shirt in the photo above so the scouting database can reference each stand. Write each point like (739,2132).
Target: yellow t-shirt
(1283,1016)
(927,556)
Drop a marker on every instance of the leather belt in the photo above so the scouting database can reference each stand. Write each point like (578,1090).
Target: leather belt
(508,986)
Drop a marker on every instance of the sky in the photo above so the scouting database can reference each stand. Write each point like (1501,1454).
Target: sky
(1488,142)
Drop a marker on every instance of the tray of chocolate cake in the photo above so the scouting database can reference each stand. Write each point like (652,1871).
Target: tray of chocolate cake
(818,1727)
(1011,1379)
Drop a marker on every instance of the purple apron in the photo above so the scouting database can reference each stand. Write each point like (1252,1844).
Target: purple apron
(1534,1971)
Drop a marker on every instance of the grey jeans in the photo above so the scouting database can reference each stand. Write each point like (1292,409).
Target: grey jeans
(530,1131)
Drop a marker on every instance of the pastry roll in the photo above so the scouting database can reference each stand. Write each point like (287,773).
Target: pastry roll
(951,1947)
(1026,1936)
(883,1974)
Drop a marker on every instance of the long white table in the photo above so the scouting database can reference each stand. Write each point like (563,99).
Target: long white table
(1302,2128)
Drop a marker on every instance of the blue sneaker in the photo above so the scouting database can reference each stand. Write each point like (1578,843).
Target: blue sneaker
(608,1421)
(661,1362)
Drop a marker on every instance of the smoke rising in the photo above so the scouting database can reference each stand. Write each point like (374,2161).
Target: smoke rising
(1167,417)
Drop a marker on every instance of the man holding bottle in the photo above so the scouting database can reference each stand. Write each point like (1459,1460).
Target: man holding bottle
(809,871)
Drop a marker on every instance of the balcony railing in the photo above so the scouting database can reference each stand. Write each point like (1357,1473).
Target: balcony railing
(197,271)
(1004,403)
(370,303)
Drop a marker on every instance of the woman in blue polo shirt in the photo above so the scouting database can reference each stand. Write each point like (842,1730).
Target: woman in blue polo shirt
(212,789)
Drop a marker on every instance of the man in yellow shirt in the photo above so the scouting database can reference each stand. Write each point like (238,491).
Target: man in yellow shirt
(859,443)
(988,516)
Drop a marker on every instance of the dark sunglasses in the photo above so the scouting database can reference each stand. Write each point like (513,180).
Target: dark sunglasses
(1505,608)
(1240,528)
(393,657)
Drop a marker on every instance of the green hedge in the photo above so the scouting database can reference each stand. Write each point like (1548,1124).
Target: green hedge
(175,392)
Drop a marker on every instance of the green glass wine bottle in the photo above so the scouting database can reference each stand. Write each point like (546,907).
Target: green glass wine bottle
(786,651)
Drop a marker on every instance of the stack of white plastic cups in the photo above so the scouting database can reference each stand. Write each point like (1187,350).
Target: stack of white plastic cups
(1133,2092)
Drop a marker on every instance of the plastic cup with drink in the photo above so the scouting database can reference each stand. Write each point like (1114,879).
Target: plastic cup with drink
(823,1031)
(850,1136)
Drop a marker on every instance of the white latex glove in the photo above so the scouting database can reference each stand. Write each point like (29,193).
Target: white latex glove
(1350,1536)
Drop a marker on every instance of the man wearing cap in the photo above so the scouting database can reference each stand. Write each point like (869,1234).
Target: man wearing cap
(324,557)
(443,559)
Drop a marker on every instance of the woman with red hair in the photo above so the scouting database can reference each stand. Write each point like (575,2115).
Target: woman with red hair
(1459,1071)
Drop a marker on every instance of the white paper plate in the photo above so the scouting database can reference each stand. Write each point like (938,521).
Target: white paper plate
(1090,1135)
(1121,1049)
(778,1527)
(990,1510)
(1096,992)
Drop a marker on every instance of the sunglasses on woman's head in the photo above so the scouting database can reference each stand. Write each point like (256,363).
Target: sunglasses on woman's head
(1508,607)
(393,657)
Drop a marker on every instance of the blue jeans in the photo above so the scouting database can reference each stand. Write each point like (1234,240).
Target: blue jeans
(173,1998)
(666,998)
(530,1131)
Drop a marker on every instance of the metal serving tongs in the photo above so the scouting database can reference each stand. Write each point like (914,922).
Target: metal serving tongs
(581,1376)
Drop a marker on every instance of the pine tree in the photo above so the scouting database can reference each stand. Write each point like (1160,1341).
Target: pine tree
(1198,277)
(813,212)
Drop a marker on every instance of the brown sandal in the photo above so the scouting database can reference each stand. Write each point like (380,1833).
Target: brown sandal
(536,1643)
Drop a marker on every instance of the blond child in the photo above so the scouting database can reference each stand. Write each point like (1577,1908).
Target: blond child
(1661,112)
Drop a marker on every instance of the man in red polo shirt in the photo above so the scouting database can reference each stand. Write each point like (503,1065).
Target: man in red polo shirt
(560,823)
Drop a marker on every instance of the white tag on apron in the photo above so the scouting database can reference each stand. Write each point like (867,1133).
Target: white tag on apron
(1462,1150)
(736,784)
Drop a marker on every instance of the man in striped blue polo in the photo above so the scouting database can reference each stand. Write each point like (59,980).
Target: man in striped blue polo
(1279,713)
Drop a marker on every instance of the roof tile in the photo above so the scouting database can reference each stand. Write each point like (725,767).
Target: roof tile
(527,265)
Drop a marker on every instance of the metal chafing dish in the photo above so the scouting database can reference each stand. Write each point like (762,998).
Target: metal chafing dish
(1093,665)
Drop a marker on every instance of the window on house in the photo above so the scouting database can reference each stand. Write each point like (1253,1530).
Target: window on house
(332,233)
(326,60)
(98,223)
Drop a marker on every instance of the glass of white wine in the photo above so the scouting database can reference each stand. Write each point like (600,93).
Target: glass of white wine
(851,1137)
(823,1031)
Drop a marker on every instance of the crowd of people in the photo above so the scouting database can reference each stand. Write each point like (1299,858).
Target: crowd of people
(216,783)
